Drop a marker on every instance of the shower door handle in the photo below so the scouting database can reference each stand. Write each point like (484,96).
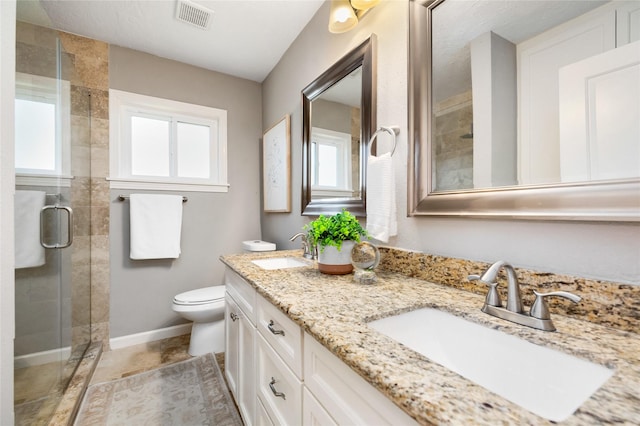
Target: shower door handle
(69,211)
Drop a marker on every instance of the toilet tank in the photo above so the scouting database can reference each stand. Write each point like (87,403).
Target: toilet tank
(258,245)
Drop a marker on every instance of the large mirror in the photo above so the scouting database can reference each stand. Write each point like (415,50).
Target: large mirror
(525,109)
(338,112)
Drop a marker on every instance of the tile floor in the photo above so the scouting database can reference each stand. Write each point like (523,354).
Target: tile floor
(119,363)
(136,359)
(113,365)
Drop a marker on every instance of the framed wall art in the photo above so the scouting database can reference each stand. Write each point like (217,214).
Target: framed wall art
(276,155)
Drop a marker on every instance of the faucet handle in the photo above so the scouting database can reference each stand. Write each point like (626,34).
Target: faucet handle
(493,297)
(540,309)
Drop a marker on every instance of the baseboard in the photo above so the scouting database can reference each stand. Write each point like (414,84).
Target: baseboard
(149,336)
(44,357)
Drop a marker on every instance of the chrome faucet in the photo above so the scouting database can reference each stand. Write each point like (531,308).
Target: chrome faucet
(538,317)
(308,250)
(514,300)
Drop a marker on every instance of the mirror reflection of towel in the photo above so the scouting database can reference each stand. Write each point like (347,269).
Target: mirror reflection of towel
(28,250)
(156,225)
(381,198)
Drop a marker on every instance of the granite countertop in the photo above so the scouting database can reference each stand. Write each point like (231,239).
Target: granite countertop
(335,311)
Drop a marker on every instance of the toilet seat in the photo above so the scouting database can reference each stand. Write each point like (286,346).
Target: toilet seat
(200,296)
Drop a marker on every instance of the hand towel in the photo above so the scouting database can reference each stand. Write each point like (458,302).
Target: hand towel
(28,250)
(156,225)
(381,198)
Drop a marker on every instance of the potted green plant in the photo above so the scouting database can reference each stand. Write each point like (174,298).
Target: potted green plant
(334,237)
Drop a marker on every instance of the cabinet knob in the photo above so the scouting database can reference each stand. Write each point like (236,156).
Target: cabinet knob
(233,316)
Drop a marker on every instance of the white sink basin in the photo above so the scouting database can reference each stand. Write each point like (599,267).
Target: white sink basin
(546,382)
(280,263)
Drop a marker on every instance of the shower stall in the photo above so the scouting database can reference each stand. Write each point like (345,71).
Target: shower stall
(52,222)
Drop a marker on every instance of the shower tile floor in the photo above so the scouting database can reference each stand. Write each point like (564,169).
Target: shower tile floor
(36,393)
(35,382)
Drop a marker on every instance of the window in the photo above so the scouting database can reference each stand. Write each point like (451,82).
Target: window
(42,129)
(331,159)
(163,144)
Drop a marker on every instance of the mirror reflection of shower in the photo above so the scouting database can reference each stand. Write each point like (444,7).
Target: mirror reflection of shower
(452,150)
(468,135)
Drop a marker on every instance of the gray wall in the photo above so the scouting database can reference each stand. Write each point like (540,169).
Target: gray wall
(607,251)
(332,116)
(213,224)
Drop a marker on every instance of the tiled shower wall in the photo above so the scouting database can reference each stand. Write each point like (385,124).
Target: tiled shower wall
(454,154)
(85,64)
(355,152)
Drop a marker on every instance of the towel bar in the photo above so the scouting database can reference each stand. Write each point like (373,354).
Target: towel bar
(124,197)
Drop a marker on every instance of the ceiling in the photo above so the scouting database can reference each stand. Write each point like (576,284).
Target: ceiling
(514,21)
(246,38)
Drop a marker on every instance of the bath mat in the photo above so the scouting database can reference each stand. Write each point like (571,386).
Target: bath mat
(191,392)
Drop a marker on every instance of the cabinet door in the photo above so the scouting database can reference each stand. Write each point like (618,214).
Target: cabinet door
(246,370)
(600,116)
(232,320)
(240,359)
(539,60)
(262,418)
(313,413)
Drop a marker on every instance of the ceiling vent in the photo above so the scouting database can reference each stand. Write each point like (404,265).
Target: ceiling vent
(193,14)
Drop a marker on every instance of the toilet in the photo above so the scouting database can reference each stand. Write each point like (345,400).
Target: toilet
(205,307)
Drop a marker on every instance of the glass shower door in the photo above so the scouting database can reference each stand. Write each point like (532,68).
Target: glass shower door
(52,276)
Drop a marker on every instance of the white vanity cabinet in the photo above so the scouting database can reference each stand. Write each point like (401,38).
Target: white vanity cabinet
(280,375)
(240,341)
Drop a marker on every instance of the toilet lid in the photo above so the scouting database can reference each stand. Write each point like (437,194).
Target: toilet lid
(200,295)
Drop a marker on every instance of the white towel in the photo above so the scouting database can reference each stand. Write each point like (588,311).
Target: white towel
(156,224)
(381,198)
(28,250)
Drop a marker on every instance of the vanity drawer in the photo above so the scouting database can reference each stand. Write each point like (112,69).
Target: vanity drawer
(279,390)
(343,393)
(242,293)
(284,335)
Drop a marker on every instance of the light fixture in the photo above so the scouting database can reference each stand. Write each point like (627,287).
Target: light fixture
(364,4)
(344,14)
(342,17)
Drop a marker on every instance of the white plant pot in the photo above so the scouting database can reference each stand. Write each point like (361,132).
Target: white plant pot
(334,262)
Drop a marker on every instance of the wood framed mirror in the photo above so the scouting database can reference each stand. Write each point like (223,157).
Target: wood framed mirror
(510,109)
(338,119)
